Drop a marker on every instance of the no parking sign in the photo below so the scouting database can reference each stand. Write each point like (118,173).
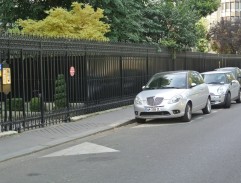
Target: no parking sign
(72,71)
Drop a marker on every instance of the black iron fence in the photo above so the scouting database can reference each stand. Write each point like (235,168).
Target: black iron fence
(54,80)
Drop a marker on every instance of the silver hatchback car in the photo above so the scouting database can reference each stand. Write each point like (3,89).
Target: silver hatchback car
(172,94)
(223,87)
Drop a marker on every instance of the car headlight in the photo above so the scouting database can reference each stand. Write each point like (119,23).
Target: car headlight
(175,99)
(221,90)
(137,101)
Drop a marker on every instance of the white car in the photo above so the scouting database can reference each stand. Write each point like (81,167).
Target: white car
(223,87)
(172,94)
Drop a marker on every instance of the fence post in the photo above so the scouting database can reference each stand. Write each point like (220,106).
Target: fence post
(10,95)
(24,115)
(67,85)
(147,66)
(121,77)
(41,85)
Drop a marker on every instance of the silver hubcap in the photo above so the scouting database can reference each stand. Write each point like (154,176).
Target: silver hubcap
(189,112)
(209,105)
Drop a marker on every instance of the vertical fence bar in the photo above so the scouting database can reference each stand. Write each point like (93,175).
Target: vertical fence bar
(10,94)
(67,119)
(147,65)
(23,94)
(41,85)
(121,77)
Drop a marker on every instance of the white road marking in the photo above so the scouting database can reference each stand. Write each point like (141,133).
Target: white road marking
(84,148)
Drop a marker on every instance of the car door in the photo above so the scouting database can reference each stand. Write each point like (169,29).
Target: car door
(199,92)
(233,85)
(239,75)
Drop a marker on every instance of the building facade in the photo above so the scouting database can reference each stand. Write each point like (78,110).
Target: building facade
(229,10)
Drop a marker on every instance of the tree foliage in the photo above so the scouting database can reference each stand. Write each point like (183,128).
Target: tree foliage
(205,7)
(11,10)
(168,22)
(202,43)
(226,37)
(7,13)
(81,22)
(125,18)
(202,7)
(176,26)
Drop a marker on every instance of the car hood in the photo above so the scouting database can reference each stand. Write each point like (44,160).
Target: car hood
(214,87)
(165,93)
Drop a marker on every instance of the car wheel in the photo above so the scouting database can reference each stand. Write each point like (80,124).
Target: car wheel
(208,107)
(227,103)
(140,120)
(238,100)
(188,113)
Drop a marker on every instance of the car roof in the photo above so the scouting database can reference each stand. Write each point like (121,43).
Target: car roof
(217,72)
(226,68)
(178,71)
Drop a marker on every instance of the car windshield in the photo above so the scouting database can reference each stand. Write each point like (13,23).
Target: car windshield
(167,80)
(218,78)
(229,69)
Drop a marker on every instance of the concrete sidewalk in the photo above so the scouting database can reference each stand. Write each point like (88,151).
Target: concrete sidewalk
(14,144)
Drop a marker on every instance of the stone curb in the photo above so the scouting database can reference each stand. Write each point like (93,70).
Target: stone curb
(76,118)
(8,133)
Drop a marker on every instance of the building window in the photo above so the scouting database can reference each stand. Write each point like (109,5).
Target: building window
(223,6)
(236,5)
(232,6)
(227,6)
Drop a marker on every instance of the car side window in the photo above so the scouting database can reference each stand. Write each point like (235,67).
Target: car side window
(196,78)
(239,72)
(230,77)
(201,80)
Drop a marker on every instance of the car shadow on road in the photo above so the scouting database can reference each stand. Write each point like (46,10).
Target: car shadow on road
(195,115)
(172,120)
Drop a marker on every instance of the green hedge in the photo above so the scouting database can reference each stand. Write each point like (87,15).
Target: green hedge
(35,104)
(16,103)
(60,92)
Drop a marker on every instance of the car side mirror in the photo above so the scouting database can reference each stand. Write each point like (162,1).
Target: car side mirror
(193,85)
(233,81)
(143,87)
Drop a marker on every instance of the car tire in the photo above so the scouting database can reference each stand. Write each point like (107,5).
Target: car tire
(207,109)
(188,113)
(227,103)
(140,120)
(238,100)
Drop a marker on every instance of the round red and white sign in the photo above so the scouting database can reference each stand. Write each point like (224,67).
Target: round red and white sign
(72,71)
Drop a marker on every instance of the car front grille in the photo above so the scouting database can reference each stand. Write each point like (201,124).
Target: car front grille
(162,113)
(154,101)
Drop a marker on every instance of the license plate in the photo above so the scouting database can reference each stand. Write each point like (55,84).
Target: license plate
(153,109)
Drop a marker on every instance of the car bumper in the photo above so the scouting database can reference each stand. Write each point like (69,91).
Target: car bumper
(217,99)
(155,112)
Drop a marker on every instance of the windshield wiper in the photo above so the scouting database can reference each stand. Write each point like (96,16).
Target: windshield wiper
(169,87)
(214,83)
(151,88)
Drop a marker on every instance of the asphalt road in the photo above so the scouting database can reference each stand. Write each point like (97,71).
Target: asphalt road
(205,150)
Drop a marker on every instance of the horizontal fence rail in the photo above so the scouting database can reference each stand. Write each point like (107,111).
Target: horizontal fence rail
(53,80)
